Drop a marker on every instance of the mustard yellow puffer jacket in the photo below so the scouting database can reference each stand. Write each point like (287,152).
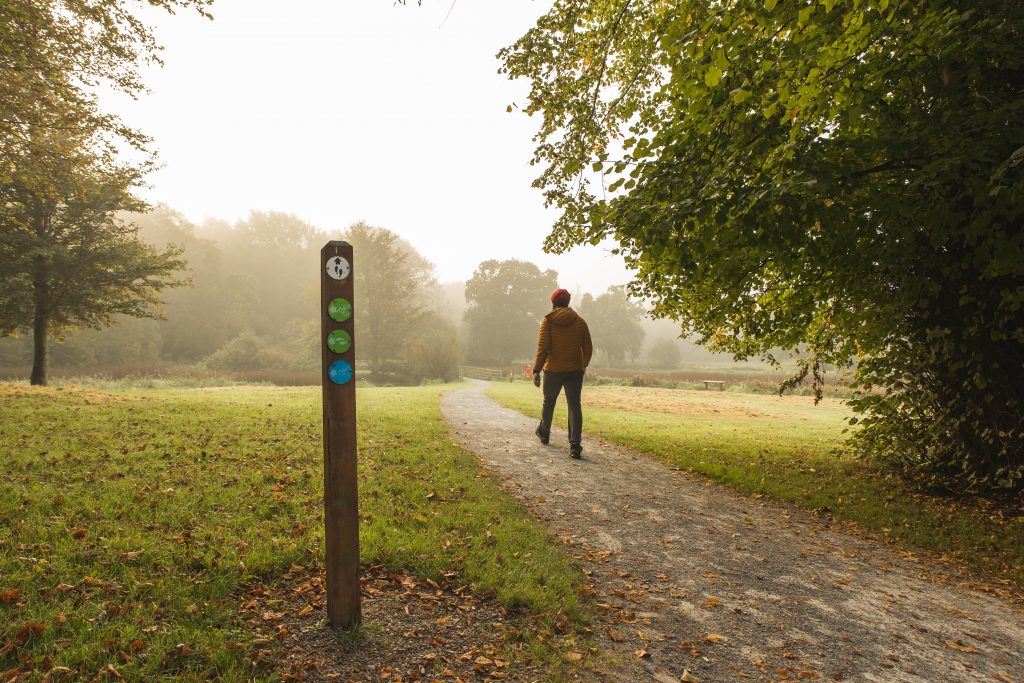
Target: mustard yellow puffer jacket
(563,342)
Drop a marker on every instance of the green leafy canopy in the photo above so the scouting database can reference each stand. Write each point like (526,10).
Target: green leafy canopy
(839,177)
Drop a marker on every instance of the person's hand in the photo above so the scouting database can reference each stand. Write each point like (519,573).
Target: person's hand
(536,379)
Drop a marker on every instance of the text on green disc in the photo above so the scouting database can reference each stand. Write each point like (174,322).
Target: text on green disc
(339,341)
(340,310)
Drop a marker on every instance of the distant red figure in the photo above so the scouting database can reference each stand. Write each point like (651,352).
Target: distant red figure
(527,372)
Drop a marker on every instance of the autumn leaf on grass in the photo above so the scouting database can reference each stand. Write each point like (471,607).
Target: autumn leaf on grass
(28,631)
(574,656)
(714,638)
(615,635)
(24,634)
(959,646)
(9,596)
(642,653)
(109,670)
(561,622)
(712,602)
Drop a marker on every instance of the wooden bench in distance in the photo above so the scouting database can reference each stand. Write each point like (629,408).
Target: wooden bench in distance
(717,383)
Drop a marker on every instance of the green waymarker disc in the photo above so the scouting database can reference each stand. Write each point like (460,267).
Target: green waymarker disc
(339,341)
(340,310)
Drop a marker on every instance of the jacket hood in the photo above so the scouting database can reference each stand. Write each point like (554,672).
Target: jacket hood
(562,316)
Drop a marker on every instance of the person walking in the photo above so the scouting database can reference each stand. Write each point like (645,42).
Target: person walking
(564,350)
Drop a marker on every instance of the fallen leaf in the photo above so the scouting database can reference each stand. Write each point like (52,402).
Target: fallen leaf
(715,638)
(688,677)
(711,602)
(957,645)
(183,650)
(109,669)
(615,635)
(561,622)
(9,596)
(27,631)
(642,653)
(574,656)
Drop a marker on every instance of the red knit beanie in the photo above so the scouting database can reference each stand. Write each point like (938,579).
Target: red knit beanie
(560,297)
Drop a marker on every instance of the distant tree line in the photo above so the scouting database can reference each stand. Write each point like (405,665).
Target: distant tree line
(249,305)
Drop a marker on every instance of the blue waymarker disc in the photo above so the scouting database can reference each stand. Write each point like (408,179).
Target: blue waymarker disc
(340,372)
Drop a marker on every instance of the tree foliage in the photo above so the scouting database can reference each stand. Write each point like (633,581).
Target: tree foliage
(55,53)
(389,286)
(69,260)
(614,322)
(839,177)
(665,354)
(506,301)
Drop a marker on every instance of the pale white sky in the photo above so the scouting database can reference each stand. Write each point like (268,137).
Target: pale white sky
(350,110)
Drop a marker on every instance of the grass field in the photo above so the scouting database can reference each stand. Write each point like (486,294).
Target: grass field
(130,523)
(788,449)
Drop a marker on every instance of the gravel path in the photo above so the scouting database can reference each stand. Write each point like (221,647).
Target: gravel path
(692,577)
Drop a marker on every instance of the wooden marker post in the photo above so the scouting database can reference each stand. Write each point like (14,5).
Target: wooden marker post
(341,505)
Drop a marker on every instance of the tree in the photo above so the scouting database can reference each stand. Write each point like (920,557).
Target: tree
(844,178)
(60,183)
(388,290)
(275,254)
(55,53)
(614,323)
(665,354)
(68,260)
(434,350)
(506,301)
(200,319)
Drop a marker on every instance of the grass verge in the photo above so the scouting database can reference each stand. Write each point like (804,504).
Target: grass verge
(130,522)
(788,449)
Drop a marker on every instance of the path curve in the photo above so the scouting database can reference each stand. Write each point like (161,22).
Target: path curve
(706,580)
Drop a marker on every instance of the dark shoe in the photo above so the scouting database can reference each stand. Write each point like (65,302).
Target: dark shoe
(540,435)
(576,452)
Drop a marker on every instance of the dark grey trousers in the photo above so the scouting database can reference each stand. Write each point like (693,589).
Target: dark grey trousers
(573,384)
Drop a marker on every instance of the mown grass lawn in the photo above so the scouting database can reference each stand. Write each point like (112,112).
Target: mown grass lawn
(130,522)
(791,450)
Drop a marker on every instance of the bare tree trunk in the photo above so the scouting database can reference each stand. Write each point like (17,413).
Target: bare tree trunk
(40,349)
(41,315)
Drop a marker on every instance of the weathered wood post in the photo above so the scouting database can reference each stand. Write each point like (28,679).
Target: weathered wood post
(341,505)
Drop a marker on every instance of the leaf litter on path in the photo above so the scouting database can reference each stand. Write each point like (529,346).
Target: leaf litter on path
(795,598)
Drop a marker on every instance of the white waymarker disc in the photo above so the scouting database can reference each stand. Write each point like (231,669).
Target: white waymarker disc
(338,267)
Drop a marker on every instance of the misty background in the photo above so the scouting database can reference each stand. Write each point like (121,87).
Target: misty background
(251,312)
